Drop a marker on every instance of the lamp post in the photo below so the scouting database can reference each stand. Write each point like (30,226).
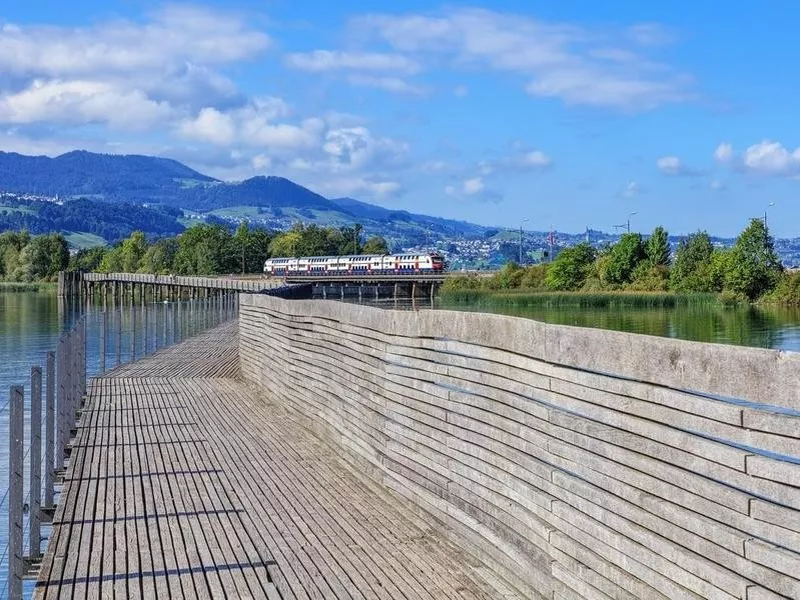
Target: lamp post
(629,221)
(770,205)
(520,239)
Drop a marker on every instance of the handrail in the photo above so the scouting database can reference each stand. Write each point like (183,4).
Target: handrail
(58,394)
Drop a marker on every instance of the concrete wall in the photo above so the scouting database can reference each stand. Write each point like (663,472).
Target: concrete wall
(573,463)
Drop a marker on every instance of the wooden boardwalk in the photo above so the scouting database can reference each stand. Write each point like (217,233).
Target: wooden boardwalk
(186,483)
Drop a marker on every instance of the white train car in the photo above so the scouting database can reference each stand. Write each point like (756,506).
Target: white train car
(363,264)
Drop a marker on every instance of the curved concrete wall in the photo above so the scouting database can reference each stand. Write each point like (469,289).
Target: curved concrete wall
(572,463)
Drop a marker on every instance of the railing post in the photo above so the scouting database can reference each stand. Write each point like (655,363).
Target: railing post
(119,335)
(103,333)
(145,327)
(34,545)
(16,442)
(49,432)
(166,323)
(62,400)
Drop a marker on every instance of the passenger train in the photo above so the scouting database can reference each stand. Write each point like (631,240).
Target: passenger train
(366,264)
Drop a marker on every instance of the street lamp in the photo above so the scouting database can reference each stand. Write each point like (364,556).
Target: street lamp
(520,239)
(770,205)
(629,220)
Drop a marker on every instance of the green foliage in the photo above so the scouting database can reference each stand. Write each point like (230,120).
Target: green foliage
(787,291)
(623,258)
(521,299)
(691,270)
(159,257)
(87,259)
(571,268)
(657,248)
(375,245)
(204,250)
(754,267)
(39,258)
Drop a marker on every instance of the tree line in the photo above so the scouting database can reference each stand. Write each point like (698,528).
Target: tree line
(749,270)
(213,249)
(26,257)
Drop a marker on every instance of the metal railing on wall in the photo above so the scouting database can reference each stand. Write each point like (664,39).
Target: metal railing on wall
(99,341)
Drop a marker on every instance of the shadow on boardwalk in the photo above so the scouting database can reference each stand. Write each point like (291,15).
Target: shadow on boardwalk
(186,483)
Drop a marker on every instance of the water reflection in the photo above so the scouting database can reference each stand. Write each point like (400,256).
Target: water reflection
(763,327)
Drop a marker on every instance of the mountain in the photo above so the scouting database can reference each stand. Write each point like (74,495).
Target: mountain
(165,186)
(104,176)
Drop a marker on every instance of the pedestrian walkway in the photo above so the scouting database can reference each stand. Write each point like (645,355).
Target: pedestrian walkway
(185,483)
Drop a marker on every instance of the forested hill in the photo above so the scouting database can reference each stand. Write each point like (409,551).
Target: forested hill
(165,185)
(102,176)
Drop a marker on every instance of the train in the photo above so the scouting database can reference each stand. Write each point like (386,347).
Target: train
(364,264)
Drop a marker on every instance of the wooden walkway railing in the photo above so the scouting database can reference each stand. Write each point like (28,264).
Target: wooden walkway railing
(187,483)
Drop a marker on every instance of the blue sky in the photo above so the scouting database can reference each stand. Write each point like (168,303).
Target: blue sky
(566,113)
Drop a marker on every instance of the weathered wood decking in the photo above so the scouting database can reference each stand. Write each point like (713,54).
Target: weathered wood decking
(186,483)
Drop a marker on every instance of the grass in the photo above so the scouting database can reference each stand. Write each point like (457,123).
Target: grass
(523,298)
(236,212)
(24,286)
(17,209)
(80,239)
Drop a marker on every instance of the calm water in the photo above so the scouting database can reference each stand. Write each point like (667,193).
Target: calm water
(763,327)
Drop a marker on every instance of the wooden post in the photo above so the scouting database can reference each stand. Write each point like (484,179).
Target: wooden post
(16,443)
(49,432)
(34,545)
(103,333)
(62,401)
(119,335)
(145,326)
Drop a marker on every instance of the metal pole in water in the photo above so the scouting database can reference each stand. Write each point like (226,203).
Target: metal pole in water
(49,432)
(34,545)
(16,442)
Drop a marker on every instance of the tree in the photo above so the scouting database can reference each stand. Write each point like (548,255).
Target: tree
(691,270)
(657,248)
(571,268)
(623,258)
(160,256)
(754,268)
(285,244)
(87,259)
(375,245)
(132,252)
(47,255)
(205,250)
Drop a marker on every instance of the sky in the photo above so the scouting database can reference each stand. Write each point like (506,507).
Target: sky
(566,114)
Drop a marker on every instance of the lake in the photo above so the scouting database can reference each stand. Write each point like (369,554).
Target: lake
(743,325)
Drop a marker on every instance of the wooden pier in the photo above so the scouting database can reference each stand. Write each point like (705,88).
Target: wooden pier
(184,482)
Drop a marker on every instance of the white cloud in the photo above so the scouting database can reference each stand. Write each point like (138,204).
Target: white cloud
(724,153)
(535,160)
(253,126)
(632,190)
(521,161)
(82,102)
(718,186)
(388,84)
(356,148)
(473,186)
(460,91)
(354,186)
(330,60)
(674,166)
(126,74)
(766,158)
(771,158)
(173,35)
(572,63)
